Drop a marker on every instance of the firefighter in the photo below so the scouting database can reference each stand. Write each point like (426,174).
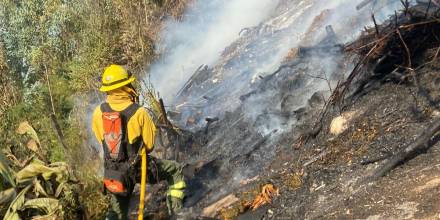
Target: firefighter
(123,128)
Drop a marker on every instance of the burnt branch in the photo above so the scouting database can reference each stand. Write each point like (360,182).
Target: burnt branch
(427,139)
(324,77)
(375,25)
(408,53)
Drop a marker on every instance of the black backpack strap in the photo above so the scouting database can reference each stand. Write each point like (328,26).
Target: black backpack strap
(130,111)
(127,112)
(105,107)
(133,148)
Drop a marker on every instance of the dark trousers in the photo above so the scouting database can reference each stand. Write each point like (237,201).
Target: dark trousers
(158,170)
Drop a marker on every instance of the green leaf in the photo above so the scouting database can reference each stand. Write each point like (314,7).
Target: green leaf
(16,205)
(58,170)
(39,189)
(47,206)
(5,171)
(7,195)
(60,189)
(26,128)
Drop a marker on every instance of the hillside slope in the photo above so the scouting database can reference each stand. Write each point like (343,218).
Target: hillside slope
(386,101)
(327,177)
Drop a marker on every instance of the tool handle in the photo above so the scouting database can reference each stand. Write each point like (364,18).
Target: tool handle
(143,183)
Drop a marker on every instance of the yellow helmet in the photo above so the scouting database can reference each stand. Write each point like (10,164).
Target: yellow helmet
(115,76)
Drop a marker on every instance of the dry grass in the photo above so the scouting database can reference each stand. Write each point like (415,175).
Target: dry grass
(353,143)
(141,23)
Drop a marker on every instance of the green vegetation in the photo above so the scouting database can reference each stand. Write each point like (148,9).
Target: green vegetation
(51,55)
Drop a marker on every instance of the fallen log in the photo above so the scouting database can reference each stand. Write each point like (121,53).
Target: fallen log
(213,209)
(428,138)
(367,161)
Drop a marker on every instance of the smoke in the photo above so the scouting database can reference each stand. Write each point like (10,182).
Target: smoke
(209,26)
(240,83)
(209,35)
(269,31)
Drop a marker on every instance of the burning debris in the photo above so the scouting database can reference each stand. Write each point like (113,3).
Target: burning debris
(212,210)
(242,114)
(268,192)
(230,206)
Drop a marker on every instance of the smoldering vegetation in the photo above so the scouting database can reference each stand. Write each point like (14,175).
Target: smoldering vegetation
(205,30)
(267,87)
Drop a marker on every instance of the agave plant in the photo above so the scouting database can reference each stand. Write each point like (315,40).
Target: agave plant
(37,191)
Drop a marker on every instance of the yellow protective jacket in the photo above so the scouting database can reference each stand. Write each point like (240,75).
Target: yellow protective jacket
(140,124)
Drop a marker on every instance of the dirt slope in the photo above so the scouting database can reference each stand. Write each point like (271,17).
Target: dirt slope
(333,186)
(326,176)
(332,169)
(392,97)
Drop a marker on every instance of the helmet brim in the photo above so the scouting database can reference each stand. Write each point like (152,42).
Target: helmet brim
(118,85)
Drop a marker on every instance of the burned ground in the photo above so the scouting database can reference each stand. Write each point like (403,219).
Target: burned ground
(332,171)
(391,97)
(334,186)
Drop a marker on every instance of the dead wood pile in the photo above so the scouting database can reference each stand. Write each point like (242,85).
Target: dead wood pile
(392,51)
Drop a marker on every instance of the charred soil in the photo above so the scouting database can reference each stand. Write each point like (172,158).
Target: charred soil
(392,100)
(321,165)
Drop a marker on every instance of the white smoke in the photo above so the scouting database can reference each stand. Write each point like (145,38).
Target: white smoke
(274,27)
(209,34)
(208,28)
